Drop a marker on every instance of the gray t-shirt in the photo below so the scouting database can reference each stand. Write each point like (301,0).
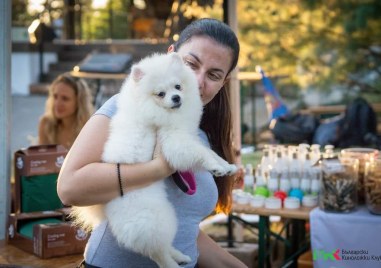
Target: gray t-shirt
(102,249)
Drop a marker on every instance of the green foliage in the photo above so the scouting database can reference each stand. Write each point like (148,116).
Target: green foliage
(309,43)
(314,43)
(109,22)
(19,16)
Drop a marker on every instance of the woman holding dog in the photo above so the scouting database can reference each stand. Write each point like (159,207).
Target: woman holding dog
(68,107)
(211,50)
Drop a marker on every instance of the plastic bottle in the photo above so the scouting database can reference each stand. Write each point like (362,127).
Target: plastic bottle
(316,180)
(260,183)
(294,171)
(265,164)
(305,184)
(328,151)
(284,182)
(259,179)
(272,183)
(302,151)
(248,179)
(315,153)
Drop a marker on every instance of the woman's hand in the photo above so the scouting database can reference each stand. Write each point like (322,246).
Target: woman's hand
(165,169)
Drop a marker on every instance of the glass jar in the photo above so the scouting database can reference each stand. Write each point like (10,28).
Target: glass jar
(373,186)
(363,155)
(338,191)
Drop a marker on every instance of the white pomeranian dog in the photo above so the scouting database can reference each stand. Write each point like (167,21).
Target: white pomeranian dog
(159,102)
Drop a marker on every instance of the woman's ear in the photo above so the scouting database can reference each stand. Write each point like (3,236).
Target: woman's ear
(171,48)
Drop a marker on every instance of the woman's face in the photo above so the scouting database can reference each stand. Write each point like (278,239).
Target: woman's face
(210,61)
(65,101)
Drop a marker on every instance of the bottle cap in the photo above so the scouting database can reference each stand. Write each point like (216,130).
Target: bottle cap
(292,203)
(257,201)
(243,198)
(280,194)
(297,193)
(262,190)
(273,203)
(310,201)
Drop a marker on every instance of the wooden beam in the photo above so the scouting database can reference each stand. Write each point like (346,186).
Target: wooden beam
(231,8)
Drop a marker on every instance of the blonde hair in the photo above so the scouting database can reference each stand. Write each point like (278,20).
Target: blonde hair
(83,112)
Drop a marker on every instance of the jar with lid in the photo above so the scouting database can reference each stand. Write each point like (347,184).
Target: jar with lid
(363,155)
(338,191)
(373,185)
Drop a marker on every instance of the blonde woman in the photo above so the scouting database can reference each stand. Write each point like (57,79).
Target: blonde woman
(68,107)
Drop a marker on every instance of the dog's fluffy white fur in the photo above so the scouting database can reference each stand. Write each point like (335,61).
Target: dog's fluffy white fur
(159,101)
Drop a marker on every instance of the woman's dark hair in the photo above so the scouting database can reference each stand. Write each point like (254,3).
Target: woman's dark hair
(216,120)
(214,29)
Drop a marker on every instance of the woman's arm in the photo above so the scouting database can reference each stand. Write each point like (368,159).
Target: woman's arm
(212,255)
(84,180)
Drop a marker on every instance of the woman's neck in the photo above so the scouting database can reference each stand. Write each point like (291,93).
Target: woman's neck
(67,122)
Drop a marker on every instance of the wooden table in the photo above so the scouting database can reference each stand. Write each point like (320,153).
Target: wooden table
(11,256)
(295,235)
(302,213)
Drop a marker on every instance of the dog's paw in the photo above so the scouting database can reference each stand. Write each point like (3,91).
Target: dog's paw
(218,173)
(179,257)
(233,169)
(224,170)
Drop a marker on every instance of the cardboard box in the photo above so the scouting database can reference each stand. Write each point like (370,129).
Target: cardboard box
(46,234)
(58,239)
(36,171)
(16,222)
(40,223)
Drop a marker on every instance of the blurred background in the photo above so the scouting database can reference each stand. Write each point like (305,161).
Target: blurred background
(314,52)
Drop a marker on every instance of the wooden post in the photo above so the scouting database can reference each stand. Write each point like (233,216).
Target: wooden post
(5,105)
(234,82)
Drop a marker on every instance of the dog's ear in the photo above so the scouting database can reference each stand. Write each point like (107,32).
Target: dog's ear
(137,73)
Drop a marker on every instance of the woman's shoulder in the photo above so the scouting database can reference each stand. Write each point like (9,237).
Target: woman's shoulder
(44,120)
(109,107)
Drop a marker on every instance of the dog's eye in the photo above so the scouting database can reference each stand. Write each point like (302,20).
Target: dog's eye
(178,87)
(161,94)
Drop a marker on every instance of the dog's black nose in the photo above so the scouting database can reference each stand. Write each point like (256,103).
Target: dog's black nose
(176,98)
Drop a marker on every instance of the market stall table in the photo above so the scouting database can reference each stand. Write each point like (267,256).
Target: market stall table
(296,238)
(348,240)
